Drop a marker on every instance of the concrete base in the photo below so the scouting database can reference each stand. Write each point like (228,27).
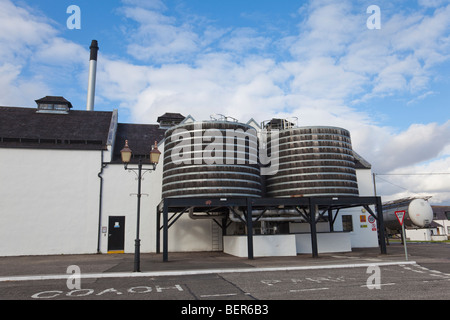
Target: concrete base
(326,242)
(286,245)
(263,245)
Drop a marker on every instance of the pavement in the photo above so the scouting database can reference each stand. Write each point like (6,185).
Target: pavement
(27,268)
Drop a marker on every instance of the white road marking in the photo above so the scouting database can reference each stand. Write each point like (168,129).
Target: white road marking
(219,295)
(381,284)
(197,272)
(313,289)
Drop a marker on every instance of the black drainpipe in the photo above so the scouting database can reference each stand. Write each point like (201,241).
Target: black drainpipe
(103,165)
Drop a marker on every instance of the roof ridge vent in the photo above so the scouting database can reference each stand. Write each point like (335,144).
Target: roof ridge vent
(53,104)
(170,119)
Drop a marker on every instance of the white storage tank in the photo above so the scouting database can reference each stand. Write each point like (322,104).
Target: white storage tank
(419,213)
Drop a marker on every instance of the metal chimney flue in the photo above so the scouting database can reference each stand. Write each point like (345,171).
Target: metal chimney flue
(92,76)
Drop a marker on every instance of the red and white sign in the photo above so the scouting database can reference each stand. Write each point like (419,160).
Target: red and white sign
(400,216)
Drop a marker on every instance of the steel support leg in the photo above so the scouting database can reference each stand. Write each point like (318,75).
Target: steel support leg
(312,223)
(249,229)
(330,220)
(158,231)
(380,226)
(165,232)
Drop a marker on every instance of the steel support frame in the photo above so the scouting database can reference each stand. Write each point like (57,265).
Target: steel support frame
(179,206)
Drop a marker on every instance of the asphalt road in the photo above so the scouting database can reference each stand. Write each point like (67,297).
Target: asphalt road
(428,279)
(407,282)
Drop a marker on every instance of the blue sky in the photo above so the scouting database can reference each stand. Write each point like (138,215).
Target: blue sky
(315,60)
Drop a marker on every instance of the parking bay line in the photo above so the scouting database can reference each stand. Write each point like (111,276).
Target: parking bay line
(375,285)
(196,272)
(313,289)
(218,295)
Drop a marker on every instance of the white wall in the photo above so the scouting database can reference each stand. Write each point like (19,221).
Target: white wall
(48,201)
(119,199)
(365,182)
(418,234)
(326,242)
(263,246)
(444,230)
(364,234)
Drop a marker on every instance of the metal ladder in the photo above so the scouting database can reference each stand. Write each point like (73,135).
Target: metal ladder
(216,234)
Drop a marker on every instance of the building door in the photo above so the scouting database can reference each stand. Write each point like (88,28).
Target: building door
(116,235)
(347,223)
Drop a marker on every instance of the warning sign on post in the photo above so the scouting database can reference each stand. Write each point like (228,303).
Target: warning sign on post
(400,216)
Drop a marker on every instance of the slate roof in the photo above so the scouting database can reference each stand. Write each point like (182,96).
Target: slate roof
(81,130)
(360,162)
(439,212)
(141,138)
(171,116)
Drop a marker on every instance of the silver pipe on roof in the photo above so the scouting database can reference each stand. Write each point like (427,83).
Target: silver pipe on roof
(92,76)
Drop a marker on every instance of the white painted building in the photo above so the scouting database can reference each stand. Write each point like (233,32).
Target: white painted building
(441,222)
(64,190)
(49,188)
(439,229)
(62,183)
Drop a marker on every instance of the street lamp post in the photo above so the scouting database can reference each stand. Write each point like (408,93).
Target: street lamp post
(126,154)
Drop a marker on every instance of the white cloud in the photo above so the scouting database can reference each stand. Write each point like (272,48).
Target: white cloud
(58,51)
(215,85)
(413,146)
(17,92)
(335,62)
(21,34)
(334,54)
(431,3)
(327,31)
(323,72)
(422,97)
(428,179)
(21,31)
(148,4)
(242,40)
(121,81)
(321,77)
(34,59)
(159,38)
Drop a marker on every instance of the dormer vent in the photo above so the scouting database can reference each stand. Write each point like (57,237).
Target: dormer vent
(51,104)
(169,120)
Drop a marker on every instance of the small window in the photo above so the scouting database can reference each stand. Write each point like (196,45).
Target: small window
(60,107)
(347,223)
(46,106)
(447,214)
(53,108)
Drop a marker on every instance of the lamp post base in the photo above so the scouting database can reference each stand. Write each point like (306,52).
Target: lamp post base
(137,254)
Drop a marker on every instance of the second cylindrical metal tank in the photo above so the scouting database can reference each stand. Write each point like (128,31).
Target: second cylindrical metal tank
(313,161)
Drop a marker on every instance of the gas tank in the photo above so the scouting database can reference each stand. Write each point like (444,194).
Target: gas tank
(419,213)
